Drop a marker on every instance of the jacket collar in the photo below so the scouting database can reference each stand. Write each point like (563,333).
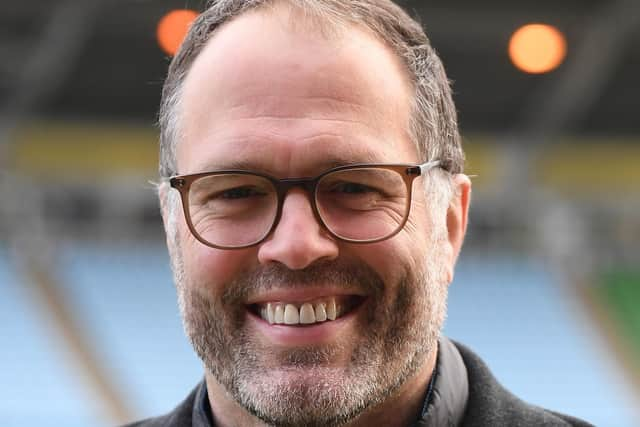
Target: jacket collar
(448,398)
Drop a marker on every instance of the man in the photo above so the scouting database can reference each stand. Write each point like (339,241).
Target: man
(315,205)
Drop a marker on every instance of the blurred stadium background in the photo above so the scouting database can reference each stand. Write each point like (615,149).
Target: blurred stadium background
(548,286)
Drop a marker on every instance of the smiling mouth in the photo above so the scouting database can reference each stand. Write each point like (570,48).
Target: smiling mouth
(308,312)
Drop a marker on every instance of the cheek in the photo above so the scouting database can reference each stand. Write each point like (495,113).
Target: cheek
(404,253)
(209,267)
(390,258)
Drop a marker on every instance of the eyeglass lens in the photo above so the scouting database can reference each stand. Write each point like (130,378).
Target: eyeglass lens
(362,204)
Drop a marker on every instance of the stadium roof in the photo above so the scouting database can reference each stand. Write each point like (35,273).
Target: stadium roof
(109,64)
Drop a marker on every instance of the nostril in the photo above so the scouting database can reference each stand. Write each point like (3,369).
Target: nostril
(297,246)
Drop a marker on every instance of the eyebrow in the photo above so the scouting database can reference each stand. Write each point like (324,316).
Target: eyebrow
(334,160)
(232,164)
(329,161)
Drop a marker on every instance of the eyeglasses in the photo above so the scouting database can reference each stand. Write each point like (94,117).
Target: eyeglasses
(360,203)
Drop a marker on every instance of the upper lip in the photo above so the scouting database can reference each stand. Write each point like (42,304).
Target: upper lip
(301,294)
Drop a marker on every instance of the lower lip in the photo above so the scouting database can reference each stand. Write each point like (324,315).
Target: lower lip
(299,336)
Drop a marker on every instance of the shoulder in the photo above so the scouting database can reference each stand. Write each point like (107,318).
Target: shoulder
(181,416)
(490,404)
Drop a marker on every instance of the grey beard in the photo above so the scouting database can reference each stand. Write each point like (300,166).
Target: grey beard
(398,338)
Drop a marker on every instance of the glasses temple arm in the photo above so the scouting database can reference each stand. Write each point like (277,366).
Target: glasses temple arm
(426,167)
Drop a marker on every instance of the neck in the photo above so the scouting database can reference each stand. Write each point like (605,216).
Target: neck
(401,409)
(405,406)
(225,411)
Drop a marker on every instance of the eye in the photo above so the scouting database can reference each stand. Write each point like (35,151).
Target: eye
(351,188)
(239,193)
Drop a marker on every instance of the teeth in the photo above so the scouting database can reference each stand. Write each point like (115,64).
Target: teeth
(291,315)
(321,313)
(331,310)
(271,315)
(279,314)
(305,314)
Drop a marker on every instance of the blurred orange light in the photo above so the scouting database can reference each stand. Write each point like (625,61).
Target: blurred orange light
(537,48)
(172,29)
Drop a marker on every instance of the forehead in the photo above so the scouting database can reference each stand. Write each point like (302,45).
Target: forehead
(267,89)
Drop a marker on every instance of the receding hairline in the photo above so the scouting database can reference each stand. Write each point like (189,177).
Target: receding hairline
(304,16)
(292,16)
(434,123)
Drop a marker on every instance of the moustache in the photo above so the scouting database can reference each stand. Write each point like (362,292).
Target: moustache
(350,275)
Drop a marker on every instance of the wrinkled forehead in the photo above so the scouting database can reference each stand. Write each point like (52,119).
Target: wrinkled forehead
(268,74)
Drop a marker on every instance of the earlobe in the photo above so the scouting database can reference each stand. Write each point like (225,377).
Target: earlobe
(457,217)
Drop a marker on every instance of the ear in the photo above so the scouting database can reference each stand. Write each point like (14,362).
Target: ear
(163,196)
(457,216)
(170,224)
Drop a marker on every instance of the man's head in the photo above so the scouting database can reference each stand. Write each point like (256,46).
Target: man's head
(289,89)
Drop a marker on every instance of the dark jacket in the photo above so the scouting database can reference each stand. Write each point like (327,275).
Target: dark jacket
(488,403)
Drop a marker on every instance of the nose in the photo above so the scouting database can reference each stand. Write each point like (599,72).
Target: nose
(298,239)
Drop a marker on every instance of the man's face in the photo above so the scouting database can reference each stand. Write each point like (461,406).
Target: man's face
(267,97)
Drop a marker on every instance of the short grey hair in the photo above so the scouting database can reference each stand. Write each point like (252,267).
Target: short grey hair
(433,124)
